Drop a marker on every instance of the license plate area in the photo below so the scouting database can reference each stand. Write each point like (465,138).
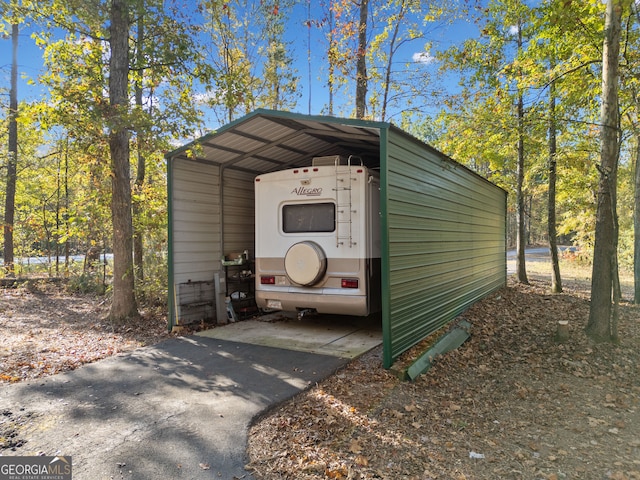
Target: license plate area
(275,304)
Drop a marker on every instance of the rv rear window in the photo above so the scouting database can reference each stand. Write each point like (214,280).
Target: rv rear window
(309,217)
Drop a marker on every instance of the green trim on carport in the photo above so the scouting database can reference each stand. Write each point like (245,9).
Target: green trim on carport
(171,293)
(385,288)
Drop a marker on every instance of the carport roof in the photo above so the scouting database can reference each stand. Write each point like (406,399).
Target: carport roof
(269,140)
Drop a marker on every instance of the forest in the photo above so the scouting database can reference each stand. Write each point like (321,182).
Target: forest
(540,97)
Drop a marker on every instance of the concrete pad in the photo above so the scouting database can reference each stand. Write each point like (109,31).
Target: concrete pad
(337,336)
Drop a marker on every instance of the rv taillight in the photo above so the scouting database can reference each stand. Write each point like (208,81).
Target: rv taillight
(349,283)
(269,280)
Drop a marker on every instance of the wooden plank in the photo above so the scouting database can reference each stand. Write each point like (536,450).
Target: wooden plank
(448,342)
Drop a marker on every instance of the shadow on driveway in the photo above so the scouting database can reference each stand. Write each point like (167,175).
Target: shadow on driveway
(179,409)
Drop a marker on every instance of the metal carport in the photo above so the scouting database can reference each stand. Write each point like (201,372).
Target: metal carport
(443,226)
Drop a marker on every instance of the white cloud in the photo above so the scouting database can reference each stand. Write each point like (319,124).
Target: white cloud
(423,57)
(206,97)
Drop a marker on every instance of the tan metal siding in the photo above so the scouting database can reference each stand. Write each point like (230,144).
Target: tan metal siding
(446,240)
(195,221)
(238,219)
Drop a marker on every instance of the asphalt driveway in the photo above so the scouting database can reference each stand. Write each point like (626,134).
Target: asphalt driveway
(179,409)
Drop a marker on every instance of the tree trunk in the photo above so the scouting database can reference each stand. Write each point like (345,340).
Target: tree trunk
(636,203)
(12,160)
(330,56)
(636,227)
(66,207)
(556,281)
(138,237)
(521,242)
(361,63)
(390,58)
(599,326)
(124,306)
(521,239)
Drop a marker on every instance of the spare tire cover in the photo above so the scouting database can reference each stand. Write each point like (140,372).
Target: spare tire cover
(305,263)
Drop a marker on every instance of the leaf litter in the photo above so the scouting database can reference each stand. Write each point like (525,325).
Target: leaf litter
(510,403)
(47,331)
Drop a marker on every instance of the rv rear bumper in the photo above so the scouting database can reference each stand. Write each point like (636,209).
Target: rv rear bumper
(323,303)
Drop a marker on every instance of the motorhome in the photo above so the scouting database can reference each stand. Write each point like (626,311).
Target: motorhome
(317,244)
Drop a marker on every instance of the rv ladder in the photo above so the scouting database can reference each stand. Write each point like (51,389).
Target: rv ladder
(344,205)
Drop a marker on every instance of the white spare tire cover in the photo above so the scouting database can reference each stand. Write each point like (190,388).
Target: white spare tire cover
(305,263)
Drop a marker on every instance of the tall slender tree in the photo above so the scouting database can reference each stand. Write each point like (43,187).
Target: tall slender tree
(521,238)
(632,59)
(361,61)
(488,117)
(278,88)
(141,164)
(636,225)
(599,327)
(556,280)
(124,306)
(12,159)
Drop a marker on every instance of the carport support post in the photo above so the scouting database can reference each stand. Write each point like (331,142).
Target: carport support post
(171,300)
(221,308)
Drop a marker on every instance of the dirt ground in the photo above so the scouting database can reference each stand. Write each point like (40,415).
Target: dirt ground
(511,403)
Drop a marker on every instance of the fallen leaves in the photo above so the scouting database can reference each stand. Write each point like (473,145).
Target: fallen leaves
(535,409)
(51,332)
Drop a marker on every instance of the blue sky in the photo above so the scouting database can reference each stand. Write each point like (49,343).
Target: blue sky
(311,73)
(441,36)
(29,65)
